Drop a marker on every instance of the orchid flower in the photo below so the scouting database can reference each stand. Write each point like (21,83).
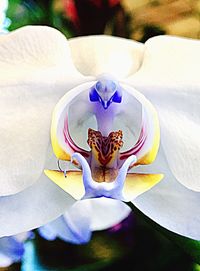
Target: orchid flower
(110,103)
(12,249)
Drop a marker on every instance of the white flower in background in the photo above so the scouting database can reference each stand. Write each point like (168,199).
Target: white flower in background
(76,225)
(4,21)
(12,249)
(114,87)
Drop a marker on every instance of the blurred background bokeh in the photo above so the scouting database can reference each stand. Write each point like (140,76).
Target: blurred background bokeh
(137,19)
(133,244)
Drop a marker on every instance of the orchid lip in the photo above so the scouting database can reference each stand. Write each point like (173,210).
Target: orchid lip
(95,189)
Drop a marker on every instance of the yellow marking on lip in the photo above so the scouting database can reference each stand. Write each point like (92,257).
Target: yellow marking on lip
(150,156)
(72,183)
(136,184)
(57,149)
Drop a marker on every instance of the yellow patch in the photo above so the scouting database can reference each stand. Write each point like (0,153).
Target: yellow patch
(136,184)
(150,156)
(57,149)
(72,183)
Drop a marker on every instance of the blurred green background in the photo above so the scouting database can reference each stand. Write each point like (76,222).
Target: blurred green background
(137,19)
(136,243)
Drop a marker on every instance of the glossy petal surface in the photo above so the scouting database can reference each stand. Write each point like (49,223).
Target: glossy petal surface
(95,55)
(77,224)
(33,207)
(147,145)
(137,184)
(169,78)
(170,204)
(70,227)
(35,73)
(62,143)
(72,183)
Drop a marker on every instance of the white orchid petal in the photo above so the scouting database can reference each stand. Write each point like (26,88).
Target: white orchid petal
(103,213)
(169,78)
(170,204)
(77,224)
(94,55)
(147,145)
(73,105)
(73,227)
(11,250)
(137,184)
(35,73)
(68,229)
(3,5)
(106,213)
(23,236)
(71,182)
(33,207)
(5,261)
(47,232)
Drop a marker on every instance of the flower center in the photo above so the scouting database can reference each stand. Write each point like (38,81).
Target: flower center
(109,108)
(104,154)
